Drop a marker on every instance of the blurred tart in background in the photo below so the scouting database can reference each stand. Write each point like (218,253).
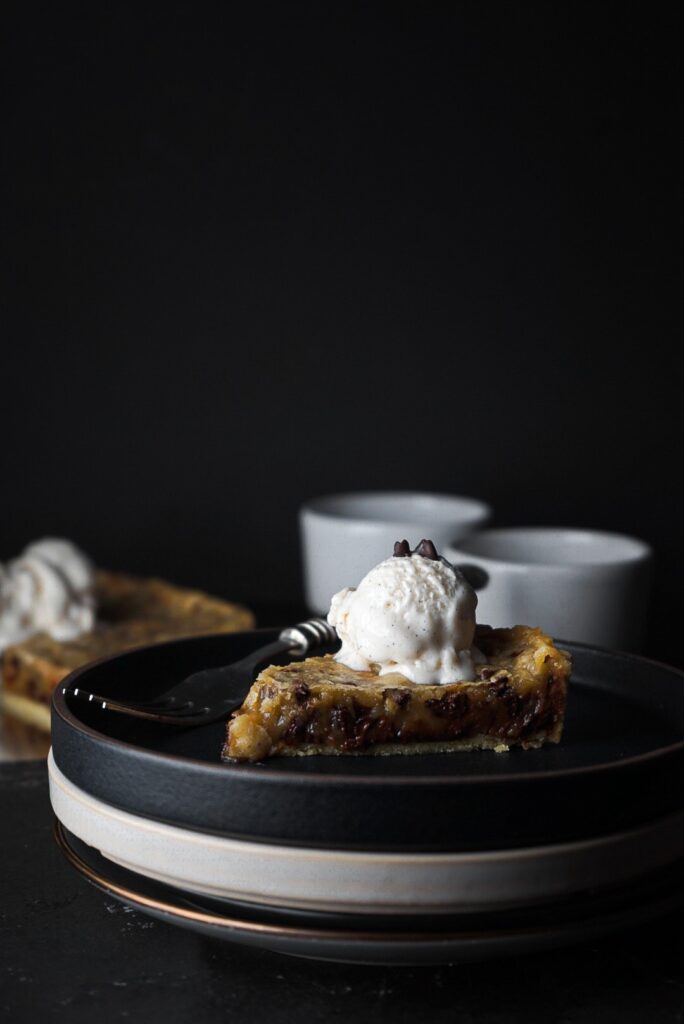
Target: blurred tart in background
(57,613)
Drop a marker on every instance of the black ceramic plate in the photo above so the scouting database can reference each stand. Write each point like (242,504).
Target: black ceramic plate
(623,746)
(437,939)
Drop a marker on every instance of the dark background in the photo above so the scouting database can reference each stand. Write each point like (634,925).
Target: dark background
(250,258)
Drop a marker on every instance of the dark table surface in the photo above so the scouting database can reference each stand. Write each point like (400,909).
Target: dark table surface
(70,953)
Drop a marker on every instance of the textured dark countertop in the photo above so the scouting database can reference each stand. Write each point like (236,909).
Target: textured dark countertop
(69,953)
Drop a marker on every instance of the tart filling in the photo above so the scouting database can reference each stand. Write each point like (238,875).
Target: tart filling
(320,706)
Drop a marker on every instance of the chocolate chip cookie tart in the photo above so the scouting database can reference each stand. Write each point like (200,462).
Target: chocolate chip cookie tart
(57,613)
(414,674)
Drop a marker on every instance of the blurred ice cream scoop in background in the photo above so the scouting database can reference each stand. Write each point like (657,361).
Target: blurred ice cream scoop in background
(47,589)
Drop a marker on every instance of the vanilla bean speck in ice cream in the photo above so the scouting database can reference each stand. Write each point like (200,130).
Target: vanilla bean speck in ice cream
(49,588)
(414,614)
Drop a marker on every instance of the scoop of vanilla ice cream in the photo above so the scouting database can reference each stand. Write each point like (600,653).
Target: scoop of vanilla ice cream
(47,589)
(411,615)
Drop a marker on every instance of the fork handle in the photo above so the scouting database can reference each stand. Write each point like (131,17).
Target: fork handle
(308,634)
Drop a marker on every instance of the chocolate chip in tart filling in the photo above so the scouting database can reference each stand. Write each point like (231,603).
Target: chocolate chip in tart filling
(301,693)
(321,706)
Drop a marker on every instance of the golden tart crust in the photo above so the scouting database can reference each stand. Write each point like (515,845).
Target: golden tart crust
(320,706)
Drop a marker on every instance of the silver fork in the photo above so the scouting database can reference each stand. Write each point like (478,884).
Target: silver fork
(213,693)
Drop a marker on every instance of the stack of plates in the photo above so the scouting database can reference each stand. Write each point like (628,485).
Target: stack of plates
(391,859)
